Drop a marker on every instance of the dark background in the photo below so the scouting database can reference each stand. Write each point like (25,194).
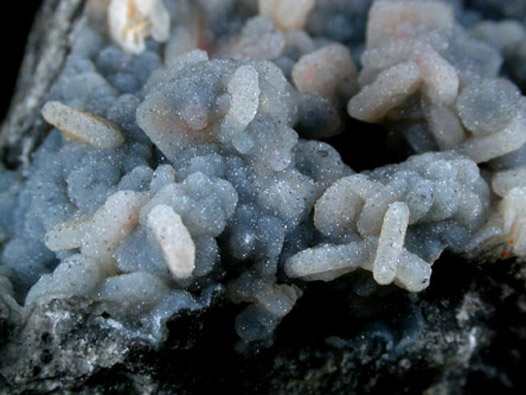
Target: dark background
(14,30)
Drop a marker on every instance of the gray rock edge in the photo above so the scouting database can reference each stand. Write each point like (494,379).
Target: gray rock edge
(46,51)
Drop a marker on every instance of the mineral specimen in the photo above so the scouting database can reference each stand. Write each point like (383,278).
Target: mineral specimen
(186,163)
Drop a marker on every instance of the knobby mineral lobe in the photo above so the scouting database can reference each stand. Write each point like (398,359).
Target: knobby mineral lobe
(189,201)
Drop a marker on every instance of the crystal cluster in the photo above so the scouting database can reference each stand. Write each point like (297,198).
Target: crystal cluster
(185,163)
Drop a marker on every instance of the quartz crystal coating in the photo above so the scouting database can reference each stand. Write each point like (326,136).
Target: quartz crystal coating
(187,158)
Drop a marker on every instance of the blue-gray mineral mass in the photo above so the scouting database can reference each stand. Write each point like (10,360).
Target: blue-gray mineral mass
(202,184)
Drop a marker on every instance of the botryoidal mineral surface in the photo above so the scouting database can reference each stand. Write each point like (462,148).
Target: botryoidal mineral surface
(187,190)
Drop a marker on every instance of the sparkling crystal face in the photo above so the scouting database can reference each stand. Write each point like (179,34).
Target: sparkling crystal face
(189,156)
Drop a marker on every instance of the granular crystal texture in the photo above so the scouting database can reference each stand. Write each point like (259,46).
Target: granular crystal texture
(189,160)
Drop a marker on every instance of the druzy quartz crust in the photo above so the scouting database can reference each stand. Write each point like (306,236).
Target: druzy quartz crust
(194,159)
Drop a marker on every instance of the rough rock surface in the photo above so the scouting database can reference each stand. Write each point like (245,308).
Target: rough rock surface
(46,52)
(460,336)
